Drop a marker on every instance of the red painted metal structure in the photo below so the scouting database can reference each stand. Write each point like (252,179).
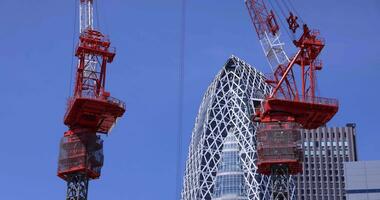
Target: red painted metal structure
(290,106)
(91,111)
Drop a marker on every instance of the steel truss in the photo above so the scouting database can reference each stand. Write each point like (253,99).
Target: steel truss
(282,184)
(274,50)
(77,187)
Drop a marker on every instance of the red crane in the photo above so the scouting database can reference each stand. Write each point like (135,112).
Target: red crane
(290,106)
(91,111)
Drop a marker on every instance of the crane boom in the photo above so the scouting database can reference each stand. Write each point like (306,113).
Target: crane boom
(267,30)
(285,77)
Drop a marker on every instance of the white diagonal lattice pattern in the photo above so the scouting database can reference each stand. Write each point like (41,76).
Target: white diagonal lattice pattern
(228,104)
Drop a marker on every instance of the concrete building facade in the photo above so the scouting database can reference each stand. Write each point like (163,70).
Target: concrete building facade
(362,180)
(325,151)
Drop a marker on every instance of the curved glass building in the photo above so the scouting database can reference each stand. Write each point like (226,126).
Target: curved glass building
(229,181)
(222,152)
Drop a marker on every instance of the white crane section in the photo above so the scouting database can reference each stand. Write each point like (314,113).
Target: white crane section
(86,15)
(268,32)
(274,50)
(86,22)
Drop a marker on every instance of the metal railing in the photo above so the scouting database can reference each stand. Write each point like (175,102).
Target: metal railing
(312,100)
(111,100)
(116,101)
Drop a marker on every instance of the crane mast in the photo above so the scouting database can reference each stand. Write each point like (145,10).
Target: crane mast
(91,111)
(289,107)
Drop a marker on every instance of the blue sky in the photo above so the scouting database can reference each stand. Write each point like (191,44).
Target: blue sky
(36,55)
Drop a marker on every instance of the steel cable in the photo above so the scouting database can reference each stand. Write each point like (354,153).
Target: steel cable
(281,20)
(181,75)
(295,11)
(96,12)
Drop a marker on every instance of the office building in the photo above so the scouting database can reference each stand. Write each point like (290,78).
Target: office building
(325,151)
(362,180)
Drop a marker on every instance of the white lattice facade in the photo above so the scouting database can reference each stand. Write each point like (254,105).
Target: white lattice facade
(227,107)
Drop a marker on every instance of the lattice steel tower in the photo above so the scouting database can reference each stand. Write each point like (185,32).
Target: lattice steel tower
(222,158)
(91,111)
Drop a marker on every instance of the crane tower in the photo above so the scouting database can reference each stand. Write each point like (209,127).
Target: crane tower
(290,106)
(91,111)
